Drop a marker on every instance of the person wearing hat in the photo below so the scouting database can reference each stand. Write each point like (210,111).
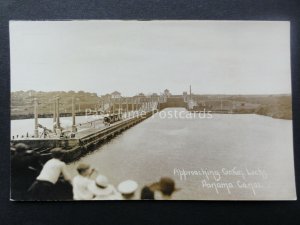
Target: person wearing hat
(127,189)
(164,189)
(81,182)
(44,186)
(102,190)
(25,165)
(147,193)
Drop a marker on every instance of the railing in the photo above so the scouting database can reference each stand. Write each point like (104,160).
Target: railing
(88,139)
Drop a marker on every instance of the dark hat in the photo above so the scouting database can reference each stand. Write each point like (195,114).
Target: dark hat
(21,147)
(147,193)
(167,185)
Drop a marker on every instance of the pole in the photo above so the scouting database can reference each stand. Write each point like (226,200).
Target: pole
(54,115)
(126,107)
(36,131)
(109,103)
(57,113)
(132,102)
(103,105)
(73,116)
(113,110)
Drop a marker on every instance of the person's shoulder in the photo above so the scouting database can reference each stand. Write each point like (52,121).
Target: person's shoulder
(79,178)
(51,160)
(58,162)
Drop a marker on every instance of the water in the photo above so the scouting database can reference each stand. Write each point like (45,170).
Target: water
(157,146)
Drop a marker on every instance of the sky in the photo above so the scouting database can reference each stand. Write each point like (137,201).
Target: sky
(215,57)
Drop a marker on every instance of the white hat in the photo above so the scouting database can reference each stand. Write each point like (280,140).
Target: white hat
(101,181)
(127,187)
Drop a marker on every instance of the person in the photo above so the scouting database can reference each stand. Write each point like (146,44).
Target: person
(127,189)
(165,188)
(44,186)
(81,182)
(25,165)
(102,190)
(106,121)
(147,193)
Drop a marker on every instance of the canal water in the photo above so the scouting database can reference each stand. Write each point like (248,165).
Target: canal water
(223,157)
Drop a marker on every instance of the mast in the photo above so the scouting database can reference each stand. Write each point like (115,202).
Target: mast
(54,115)
(57,113)
(36,131)
(73,116)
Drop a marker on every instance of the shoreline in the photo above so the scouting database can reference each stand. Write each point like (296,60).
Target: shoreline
(49,116)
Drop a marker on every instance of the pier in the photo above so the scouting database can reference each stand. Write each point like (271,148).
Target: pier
(83,141)
(81,138)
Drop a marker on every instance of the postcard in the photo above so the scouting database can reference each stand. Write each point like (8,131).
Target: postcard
(151,110)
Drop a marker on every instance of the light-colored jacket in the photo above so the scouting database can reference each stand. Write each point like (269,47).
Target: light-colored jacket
(107,193)
(80,188)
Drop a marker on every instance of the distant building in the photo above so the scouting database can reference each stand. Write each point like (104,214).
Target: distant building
(115,94)
(167,93)
(94,95)
(141,95)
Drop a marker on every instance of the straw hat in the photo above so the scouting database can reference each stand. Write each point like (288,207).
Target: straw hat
(101,181)
(127,187)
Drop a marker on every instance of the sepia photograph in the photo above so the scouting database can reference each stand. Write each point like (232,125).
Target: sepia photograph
(151,110)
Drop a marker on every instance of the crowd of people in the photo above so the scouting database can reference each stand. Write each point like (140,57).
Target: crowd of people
(53,181)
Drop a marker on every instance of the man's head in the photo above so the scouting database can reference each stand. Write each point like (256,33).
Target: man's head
(101,181)
(84,169)
(127,188)
(167,186)
(20,148)
(57,153)
(147,193)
